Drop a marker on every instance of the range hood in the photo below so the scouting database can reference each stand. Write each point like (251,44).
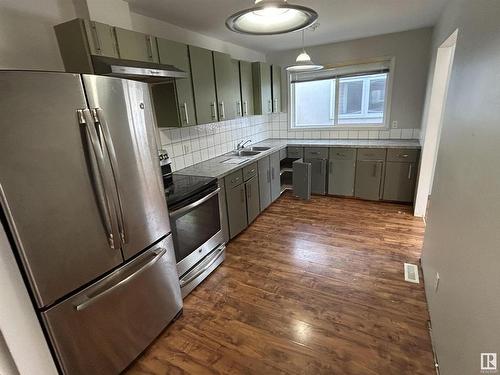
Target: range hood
(138,70)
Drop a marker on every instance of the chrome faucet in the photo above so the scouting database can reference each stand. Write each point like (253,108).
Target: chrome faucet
(242,144)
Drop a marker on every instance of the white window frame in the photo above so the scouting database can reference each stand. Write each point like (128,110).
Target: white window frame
(385,125)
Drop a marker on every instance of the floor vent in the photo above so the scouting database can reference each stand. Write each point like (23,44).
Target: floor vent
(411,273)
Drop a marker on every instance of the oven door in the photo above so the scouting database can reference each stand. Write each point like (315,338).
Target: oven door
(196,229)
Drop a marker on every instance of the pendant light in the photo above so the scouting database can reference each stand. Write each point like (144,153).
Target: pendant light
(303,62)
(270,17)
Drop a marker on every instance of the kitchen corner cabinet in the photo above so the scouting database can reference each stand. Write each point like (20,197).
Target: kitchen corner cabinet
(226,87)
(369,173)
(264,168)
(174,100)
(263,103)
(341,171)
(246,82)
(400,175)
(202,72)
(133,45)
(276,87)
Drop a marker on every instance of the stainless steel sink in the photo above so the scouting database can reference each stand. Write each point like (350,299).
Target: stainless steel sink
(246,153)
(260,148)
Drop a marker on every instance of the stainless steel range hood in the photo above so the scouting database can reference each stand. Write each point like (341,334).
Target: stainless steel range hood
(138,70)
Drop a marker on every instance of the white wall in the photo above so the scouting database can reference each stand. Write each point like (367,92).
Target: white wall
(411,50)
(462,240)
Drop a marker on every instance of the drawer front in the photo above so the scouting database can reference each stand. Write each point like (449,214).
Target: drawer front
(132,305)
(295,152)
(402,154)
(315,153)
(249,171)
(340,153)
(234,179)
(371,153)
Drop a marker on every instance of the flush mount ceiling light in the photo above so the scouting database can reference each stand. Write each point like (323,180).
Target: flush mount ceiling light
(303,62)
(270,17)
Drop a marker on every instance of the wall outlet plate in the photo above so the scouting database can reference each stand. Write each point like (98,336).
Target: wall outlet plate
(394,124)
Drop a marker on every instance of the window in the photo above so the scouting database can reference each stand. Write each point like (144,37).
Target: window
(354,96)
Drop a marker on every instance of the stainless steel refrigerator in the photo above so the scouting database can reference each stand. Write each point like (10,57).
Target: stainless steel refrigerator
(82,197)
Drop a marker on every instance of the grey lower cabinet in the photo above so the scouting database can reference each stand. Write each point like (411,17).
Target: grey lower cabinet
(341,171)
(369,173)
(264,168)
(236,203)
(400,175)
(301,179)
(317,157)
(252,198)
(224,225)
(274,160)
(202,73)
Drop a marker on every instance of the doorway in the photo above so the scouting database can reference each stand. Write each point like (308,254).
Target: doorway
(433,122)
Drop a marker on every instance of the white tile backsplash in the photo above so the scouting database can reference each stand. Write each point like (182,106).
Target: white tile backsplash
(188,146)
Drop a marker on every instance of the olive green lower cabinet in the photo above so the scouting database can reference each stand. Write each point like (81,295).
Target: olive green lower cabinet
(341,171)
(264,168)
(224,226)
(400,175)
(236,203)
(369,173)
(275,175)
(252,191)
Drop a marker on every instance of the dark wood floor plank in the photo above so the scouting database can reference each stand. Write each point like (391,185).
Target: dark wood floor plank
(309,288)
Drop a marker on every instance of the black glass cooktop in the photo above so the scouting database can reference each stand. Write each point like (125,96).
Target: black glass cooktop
(183,186)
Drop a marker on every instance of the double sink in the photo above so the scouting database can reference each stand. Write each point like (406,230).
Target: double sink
(252,151)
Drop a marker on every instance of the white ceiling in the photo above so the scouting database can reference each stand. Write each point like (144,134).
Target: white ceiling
(339,19)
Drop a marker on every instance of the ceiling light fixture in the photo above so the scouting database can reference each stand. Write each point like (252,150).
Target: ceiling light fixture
(303,62)
(270,17)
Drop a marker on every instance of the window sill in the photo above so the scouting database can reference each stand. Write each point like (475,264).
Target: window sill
(340,127)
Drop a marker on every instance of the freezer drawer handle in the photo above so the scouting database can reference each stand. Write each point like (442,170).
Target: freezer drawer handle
(89,300)
(99,173)
(190,207)
(217,255)
(100,120)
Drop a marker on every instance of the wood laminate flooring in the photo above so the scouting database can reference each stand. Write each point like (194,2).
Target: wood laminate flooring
(309,288)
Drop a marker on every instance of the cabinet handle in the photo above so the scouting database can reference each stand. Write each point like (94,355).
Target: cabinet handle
(270,106)
(242,194)
(275,109)
(238,108)
(404,156)
(149,47)
(409,172)
(269,176)
(213,108)
(245,108)
(96,37)
(222,110)
(186,115)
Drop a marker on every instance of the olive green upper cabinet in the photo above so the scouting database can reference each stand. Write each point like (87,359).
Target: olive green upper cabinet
(276,88)
(136,46)
(226,86)
(202,72)
(101,38)
(176,54)
(263,103)
(237,87)
(246,88)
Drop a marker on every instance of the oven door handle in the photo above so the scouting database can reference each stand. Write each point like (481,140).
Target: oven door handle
(217,254)
(191,206)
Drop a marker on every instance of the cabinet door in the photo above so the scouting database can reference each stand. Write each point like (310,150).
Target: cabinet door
(236,87)
(276,88)
(318,176)
(176,54)
(368,179)
(341,175)
(136,46)
(261,73)
(101,38)
(301,179)
(236,209)
(224,85)
(223,210)
(264,183)
(399,184)
(202,71)
(275,176)
(246,88)
(252,195)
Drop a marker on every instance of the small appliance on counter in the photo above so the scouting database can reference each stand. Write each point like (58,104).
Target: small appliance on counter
(193,203)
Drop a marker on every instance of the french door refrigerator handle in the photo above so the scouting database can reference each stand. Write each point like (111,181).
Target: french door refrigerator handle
(99,174)
(90,299)
(100,120)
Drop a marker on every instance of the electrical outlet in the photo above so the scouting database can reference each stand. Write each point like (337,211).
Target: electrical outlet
(394,124)
(436,282)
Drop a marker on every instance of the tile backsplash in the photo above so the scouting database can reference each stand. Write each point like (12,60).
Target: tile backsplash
(188,146)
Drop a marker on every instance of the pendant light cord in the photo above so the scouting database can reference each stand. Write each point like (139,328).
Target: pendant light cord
(303,42)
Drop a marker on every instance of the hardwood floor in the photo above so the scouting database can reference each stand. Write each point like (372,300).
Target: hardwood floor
(309,288)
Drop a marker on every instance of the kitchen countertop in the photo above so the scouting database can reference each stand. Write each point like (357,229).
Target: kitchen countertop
(215,168)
